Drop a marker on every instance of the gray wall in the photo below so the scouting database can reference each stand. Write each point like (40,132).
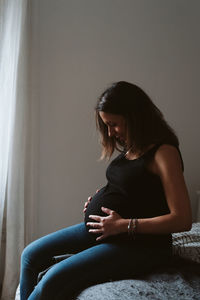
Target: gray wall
(78,48)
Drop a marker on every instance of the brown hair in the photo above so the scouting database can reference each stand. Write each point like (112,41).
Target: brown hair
(145,122)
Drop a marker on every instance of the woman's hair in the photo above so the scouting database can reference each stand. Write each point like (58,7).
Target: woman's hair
(145,123)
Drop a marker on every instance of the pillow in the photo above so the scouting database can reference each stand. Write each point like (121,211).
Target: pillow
(187,244)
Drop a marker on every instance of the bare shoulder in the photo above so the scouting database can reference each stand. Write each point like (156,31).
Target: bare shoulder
(167,151)
(167,159)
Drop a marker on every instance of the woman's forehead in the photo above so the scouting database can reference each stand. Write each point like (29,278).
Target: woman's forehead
(108,117)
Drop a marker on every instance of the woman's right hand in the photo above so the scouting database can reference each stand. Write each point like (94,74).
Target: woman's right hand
(87,202)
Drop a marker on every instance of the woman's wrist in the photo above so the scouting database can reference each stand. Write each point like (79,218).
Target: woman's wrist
(132,227)
(128,226)
(123,225)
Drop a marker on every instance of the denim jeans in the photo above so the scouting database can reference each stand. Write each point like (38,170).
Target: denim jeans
(93,262)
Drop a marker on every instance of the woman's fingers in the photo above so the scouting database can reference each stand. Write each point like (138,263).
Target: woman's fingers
(85,206)
(86,203)
(96,218)
(108,211)
(96,227)
(95,230)
(94,224)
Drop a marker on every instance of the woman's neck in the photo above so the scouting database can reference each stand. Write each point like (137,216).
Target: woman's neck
(131,154)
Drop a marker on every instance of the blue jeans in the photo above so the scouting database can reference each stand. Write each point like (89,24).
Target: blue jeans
(93,262)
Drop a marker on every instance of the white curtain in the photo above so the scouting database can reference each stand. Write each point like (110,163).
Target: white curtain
(13,120)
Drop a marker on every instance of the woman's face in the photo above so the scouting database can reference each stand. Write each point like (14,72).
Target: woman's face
(116,125)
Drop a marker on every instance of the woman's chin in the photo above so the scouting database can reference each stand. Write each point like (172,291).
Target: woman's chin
(121,142)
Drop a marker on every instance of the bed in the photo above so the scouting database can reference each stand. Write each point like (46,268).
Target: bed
(180,280)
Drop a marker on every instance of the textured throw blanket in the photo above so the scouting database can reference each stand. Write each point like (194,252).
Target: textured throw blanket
(180,281)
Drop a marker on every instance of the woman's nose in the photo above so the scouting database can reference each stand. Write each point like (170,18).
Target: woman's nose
(110,131)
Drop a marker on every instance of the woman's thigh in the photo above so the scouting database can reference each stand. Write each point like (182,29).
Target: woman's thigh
(71,239)
(93,265)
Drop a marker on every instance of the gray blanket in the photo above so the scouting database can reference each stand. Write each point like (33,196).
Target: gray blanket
(180,281)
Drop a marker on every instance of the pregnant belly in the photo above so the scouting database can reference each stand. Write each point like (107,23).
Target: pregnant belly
(112,200)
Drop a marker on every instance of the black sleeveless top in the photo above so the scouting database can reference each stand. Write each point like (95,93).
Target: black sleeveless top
(133,192)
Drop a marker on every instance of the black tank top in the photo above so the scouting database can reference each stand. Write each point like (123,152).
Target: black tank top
(133,192)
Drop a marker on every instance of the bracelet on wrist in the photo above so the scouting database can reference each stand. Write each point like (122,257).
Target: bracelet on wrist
(132,227)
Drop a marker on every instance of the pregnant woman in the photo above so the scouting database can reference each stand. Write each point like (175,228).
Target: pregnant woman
(128,223)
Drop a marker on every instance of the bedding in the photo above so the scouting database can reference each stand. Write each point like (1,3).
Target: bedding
(180,280)
(187,244)
(169,284)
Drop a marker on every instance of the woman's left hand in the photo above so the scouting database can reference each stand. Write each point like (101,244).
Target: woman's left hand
(109,225)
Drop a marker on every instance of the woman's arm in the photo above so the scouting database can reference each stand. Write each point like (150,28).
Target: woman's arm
(167,165)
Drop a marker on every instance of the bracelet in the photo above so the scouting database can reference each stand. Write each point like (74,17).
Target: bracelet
(132,227)
(130,224)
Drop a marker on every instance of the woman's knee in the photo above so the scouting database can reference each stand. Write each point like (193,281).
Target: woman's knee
(30,255)
(27,254)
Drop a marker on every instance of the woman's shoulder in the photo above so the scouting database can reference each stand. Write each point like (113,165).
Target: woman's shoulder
(167,149)
(168,156)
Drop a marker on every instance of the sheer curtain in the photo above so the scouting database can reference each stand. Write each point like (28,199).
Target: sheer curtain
(13,133)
